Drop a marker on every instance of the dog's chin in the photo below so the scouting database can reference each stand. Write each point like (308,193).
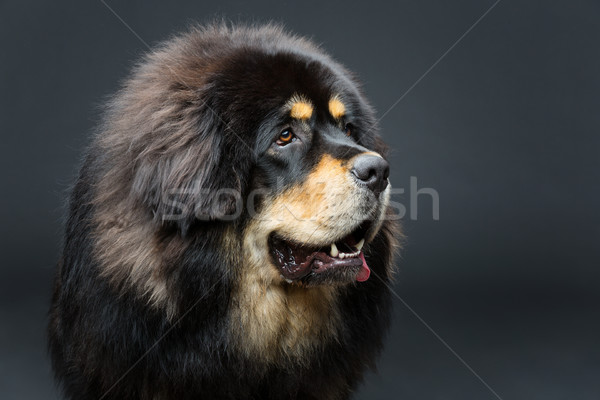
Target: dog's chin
(305,264)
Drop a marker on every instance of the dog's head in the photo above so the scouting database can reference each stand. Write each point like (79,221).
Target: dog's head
(267,134)
(320,185)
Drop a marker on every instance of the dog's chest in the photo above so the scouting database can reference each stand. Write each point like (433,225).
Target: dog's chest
(274,323)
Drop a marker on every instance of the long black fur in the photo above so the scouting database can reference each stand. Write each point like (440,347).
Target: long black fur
(108,342)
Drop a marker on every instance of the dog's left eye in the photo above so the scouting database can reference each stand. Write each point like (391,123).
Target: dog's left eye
(285,137)
(348,130)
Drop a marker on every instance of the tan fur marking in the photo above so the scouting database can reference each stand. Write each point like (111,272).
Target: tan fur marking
(300,108)
(336,108)
(321,208)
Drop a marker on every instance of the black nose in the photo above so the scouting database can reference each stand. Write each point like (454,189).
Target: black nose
(371,171)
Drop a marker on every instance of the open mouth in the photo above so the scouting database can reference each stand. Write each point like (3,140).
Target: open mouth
(343,258)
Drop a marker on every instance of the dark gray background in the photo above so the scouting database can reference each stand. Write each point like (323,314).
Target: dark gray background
(505,128)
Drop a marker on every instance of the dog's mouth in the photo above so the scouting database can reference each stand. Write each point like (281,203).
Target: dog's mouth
(342,260)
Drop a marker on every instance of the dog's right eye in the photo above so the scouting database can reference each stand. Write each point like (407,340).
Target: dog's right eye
(285,137)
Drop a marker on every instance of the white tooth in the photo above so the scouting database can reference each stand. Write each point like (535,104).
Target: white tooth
(334,251)
(360,244)
(288,280)
(342,255)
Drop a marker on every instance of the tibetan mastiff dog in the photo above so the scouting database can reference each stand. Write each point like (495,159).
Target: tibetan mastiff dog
(228,235)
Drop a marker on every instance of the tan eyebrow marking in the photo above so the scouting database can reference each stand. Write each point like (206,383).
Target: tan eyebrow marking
(336,107)
(300,107)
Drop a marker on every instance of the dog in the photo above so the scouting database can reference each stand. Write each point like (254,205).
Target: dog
(229,235)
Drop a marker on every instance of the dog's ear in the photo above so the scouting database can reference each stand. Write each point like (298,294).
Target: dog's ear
(192,174)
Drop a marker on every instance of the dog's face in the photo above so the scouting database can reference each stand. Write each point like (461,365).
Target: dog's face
(325,194)
(286,131)
(319,186)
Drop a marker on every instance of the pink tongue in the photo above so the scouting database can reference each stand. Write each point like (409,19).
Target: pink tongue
(364,272)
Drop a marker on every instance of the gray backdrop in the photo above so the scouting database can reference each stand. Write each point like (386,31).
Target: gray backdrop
(498,295)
